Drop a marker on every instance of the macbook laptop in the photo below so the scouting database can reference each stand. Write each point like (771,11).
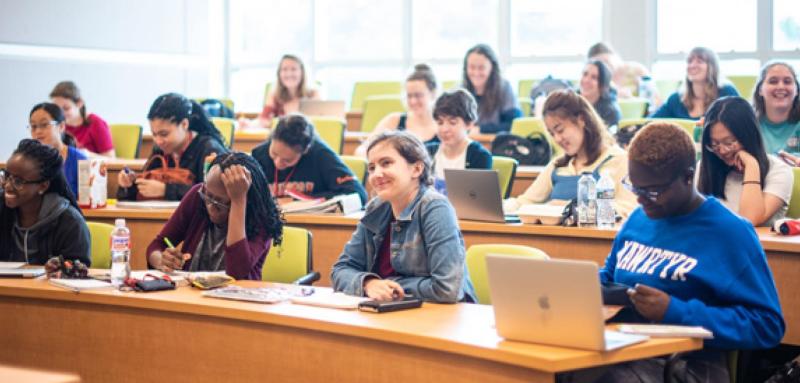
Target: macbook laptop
(21,272)
(326,108)
(475,194)
(555,302)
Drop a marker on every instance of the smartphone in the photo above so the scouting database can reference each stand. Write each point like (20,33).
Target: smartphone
(616,294)
(408,302)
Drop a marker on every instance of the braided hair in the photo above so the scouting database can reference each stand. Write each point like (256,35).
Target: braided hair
(50,167)
(174,107)
(262,213)
(57,115)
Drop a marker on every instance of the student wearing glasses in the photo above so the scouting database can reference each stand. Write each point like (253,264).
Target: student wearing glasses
(39,217)
(736,168)
(678,275)
(47,125)
(225,223)
(588,147)
(185,137)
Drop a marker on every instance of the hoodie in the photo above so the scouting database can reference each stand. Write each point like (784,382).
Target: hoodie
(59,230)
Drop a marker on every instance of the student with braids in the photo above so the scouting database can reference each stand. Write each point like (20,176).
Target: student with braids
(39,217)
(677,275)
(225,223)
(184,135)
(47,125)
(90,131)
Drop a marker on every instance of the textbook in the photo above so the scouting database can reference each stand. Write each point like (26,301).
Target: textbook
(666,331)
(78,285)
(11,265)
(345,204)
(155,204)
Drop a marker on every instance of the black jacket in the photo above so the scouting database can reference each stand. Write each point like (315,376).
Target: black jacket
(477,156)
(59,230)
(319,173)
(193,159)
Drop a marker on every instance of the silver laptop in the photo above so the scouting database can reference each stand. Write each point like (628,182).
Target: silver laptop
(21,272)
(324,108)
(475,194)
(556,302)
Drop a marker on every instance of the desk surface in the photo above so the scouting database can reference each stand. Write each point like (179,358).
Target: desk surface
(463,330)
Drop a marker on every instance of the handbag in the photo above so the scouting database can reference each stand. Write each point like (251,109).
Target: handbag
(165,174)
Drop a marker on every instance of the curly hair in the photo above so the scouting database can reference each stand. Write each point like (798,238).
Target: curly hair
(663,147)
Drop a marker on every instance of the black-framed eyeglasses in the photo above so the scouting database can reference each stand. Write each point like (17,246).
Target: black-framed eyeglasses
(651,192)
(16,182)
(209,200)
(46,125)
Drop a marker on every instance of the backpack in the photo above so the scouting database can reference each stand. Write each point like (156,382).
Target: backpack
(547,86)
(531,150)
(215,108)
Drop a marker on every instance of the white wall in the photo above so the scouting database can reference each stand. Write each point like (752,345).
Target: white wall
(122,54)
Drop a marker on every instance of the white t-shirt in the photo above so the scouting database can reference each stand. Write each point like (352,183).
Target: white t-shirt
(778,182)
(441,162)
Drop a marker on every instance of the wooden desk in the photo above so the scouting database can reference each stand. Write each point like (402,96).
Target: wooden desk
(353,119)
(525,177)
(181,336)
(26,375)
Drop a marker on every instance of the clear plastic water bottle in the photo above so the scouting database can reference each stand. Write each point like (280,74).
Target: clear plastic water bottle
(120,253)
(647,92)
(587,201)
(605,202)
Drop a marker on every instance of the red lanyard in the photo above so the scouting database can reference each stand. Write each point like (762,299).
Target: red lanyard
(281,193)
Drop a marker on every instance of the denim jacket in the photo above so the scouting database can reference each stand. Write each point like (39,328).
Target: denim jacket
(427,250)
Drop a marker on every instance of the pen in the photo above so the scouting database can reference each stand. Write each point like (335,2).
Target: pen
(167,241)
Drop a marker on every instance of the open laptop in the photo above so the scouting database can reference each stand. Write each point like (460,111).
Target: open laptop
(475,194)
(555,302)
(326,108)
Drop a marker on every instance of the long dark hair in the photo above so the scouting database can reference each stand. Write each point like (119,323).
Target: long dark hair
(567,104)
(603,79)
(262,213)
(493,90)
(58,116)
(737,115)
(174,107)
(296,131)
(758,99)
(712,82)
(50,167)
(70,91)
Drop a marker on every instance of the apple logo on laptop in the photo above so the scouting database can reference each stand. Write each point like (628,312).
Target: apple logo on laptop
(544,302)
(473,194)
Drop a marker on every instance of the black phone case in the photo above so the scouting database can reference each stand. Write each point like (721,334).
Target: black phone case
(154,285)
(383,307)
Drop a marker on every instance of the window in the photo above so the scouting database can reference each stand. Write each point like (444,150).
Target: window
(364,30)
(446,29)
(722,25)
(265,30)
(542,28)
(786,25)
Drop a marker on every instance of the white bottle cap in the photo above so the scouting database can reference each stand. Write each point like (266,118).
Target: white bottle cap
(119,222)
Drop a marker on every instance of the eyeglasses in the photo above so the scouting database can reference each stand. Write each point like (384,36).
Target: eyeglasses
(16,182)
(44,126)
(208,200)
(716,146)
(651,192)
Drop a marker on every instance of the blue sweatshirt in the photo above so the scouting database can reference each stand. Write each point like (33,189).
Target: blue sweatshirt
(712,265)
(674,107)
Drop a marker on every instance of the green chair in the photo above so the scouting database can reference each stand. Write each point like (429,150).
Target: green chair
(476,264)
(127,140)
(525,126)
(524,87)
(376,108)
(226,127)
(364,89)
(450,84)
(506,168)
(688,125)
(667,87)
(330,130)
(267,88)
(744,84)
(633,107)
(291,261)
(525,103)
(357,165)
(794,202)
(101,244)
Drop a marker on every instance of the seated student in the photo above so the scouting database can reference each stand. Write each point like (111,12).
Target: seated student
(284,98)
(91,131)
(47,125)
(588,147)
(225,223)
(678,274)
(420,94)
(595,86)
(700,87)
(455,112)
(39,218)
(497,104)
(735,167)
(185,136)
(777,105)
(408,242)
(625,74)
(295,158)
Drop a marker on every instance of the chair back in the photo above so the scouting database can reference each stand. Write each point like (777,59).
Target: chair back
(525,104)
(364,89)
(633,107)
(330,130)
(101,244)
(506,168)
(376,108)
(476,264)
(292,259)
(358,165)
(524,87)
(744,84)
(525,126)
(226,127)
(127,140)
(794,202)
